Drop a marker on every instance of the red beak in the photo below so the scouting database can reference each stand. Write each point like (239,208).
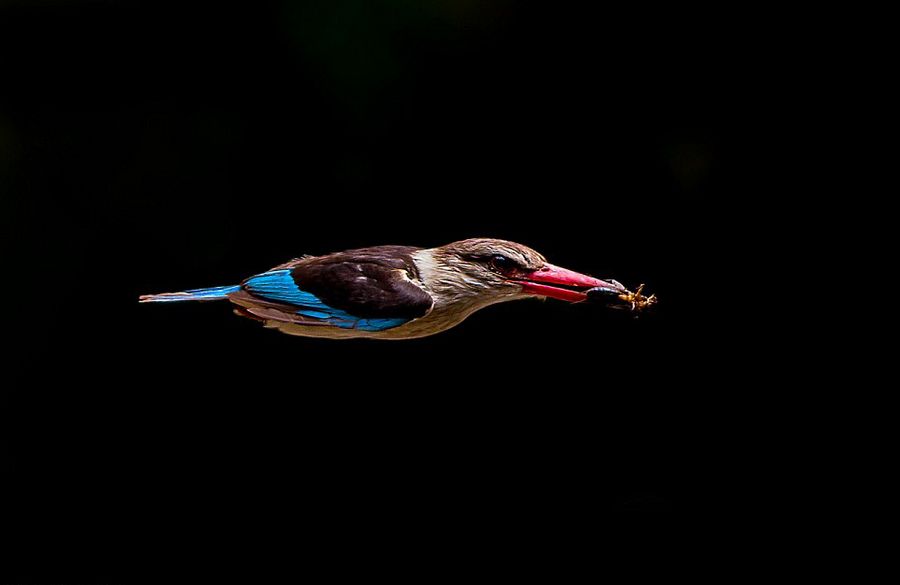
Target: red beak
(540,283)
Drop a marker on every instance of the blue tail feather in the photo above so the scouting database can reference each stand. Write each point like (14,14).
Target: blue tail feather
(216,293)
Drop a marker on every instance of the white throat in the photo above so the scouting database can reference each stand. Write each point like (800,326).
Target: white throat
(451,287)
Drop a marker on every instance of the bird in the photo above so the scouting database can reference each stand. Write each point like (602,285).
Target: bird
(396,292)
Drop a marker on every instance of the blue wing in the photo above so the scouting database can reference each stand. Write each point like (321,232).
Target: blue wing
(279,286)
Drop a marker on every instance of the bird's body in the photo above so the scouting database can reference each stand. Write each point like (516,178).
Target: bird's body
(395,292)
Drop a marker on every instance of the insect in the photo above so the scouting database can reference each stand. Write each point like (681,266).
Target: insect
(635,301)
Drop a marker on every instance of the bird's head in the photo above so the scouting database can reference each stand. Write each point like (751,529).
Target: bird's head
(496,270)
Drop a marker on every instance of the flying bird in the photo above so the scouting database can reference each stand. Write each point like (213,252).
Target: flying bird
(396,292)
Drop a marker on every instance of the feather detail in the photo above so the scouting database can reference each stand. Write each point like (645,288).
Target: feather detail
(279,286)
(216,293)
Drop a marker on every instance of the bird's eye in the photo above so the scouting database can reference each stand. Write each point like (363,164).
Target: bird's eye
(501,263)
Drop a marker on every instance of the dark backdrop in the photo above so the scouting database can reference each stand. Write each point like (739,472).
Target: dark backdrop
(148,148)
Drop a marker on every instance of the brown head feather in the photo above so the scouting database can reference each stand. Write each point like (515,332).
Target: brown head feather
(475,248)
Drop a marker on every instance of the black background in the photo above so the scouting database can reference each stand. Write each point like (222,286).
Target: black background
(148,148)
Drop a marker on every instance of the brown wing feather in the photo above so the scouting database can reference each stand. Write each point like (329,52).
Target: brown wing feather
(377,282)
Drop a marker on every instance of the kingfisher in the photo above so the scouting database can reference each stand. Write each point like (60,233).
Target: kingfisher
(397,292)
